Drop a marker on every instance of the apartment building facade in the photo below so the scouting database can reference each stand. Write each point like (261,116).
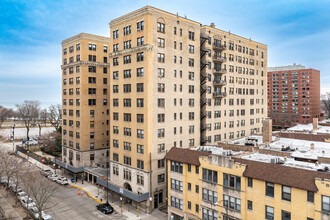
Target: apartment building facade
(202,185)
(233,86)
(293,95)
(172,83)
(85,97)
(154,97)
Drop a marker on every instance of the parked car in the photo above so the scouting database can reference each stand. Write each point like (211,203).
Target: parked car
(47,217)
(35,213)
(22,194)
(27,202)
(31,142)
(106,208)
(53,177)
(16,189)
(62,180)
(46,172)
(4,180)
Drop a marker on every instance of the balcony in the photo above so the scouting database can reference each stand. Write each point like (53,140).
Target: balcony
(219,71)
(219,47)
(219,83)
(219,59)
(219,94)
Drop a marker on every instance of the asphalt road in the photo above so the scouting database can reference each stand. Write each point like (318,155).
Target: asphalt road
(68,205)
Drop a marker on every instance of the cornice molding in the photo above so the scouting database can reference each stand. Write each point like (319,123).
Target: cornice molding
(89,63)
(143,11)
(86,36)
(146,47)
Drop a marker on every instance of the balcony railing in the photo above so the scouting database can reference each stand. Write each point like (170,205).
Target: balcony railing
(220,71)
(219,47)
(219,59)
(219,83)
(219,94)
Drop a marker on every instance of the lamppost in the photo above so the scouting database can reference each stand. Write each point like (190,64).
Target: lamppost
(108,167)
(14,139)
(225,206)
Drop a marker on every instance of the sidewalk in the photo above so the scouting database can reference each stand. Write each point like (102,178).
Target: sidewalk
(128,210)
(97,194)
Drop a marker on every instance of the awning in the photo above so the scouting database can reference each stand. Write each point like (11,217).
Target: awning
(124,192)
(69,167)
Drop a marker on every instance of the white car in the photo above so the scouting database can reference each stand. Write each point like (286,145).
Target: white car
(46,217)
(53,177)
(22,194)
(27,202)
(35,213)
(62,180)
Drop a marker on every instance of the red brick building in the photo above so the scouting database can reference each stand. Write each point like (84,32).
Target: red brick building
(293,95)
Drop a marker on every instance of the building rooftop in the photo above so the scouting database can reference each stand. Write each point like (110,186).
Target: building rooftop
(309,128)
(289,67)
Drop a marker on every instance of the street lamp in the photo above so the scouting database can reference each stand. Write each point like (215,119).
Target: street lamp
(225,206)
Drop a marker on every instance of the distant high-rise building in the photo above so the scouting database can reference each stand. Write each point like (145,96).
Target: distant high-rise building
(293,95)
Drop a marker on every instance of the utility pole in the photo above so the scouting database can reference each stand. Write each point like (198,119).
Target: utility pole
(150,191)
(108,181)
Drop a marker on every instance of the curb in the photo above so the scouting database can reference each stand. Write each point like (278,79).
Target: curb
(87,193)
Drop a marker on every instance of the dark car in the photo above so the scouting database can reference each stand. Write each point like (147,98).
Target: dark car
(106,208)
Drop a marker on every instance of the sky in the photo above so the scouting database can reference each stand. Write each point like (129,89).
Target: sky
(31,32)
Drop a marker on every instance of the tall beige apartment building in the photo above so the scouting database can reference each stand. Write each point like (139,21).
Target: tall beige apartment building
(172,83)
(85,100)
(155,95)
(233,86)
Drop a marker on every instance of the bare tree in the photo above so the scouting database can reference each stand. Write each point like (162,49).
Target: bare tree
(43,116)
(55,115)
(325,100)
(52,142)
(9,164)
(28,111)
(5,113)
(41,192)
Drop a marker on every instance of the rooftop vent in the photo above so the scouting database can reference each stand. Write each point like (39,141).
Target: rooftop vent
(212,25)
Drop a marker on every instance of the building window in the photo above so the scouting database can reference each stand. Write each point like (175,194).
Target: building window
(140,148)
(176,203)
(127,30)
(140,57)
(176,185)
(139,103)
(140,41)
(161,57)
(160,27)
(249,205)
(269,215)
(91,102)
(286,215)
(115,157)
(210,175)
(139,87)
(161,163)
(161,148)
(140,179)
(325,203)
(139,72)
(286,193)
(127,59)
(176,167)
(140,164)
(210,196)
(250,182)
(232,202)
(310,196)
(127,160)
(161,178)
(232,181)
(209,214)
(161,42)
(140,133)
(269,189)
(191,35)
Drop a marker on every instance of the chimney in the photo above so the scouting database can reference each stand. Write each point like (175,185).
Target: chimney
(315,123)
(212,25)
(312,146)
(267,130)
